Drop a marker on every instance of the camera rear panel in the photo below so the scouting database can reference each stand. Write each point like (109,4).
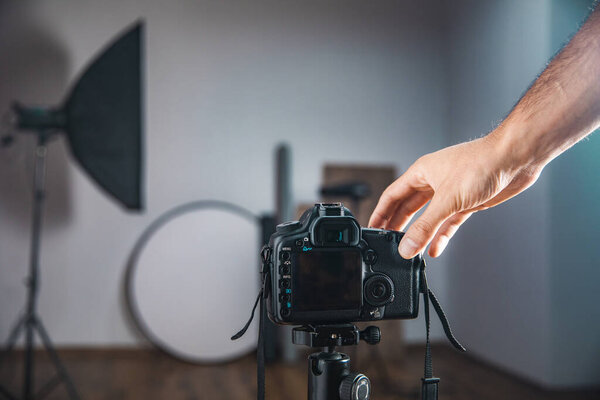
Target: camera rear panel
(326,269)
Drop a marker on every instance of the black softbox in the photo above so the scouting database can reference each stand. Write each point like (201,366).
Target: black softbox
(102,117)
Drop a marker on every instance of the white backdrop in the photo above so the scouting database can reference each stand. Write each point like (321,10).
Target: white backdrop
(346,81)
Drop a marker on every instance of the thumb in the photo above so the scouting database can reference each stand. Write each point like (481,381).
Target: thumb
(422,231)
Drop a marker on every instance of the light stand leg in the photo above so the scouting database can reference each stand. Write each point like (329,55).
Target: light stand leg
(12,339)
(60,368)
(28,366)
(10,344)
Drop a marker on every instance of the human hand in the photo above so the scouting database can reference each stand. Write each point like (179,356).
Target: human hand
(456,181)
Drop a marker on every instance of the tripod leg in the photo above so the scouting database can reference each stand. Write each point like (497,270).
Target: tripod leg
(60,368)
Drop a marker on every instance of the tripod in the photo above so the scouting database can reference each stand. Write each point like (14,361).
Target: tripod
(329,375)
(30,322)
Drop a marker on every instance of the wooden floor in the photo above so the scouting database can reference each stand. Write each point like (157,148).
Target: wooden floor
(148,374)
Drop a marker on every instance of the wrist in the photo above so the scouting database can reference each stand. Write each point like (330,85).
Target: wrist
(517,148)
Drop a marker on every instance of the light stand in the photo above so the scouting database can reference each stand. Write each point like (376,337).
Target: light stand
(102,121)
(30,322)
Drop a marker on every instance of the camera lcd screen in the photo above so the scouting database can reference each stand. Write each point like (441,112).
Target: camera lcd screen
(327,280)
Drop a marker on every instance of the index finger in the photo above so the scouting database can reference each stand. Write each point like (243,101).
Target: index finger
(397,192)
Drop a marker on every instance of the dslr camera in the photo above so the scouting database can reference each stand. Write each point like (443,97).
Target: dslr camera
(326,269)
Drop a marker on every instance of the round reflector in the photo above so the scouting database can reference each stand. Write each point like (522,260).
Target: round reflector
(192,278)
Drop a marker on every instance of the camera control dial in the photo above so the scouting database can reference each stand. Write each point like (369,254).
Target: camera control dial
(379,290)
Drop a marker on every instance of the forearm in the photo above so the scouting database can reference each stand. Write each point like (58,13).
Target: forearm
(561,107)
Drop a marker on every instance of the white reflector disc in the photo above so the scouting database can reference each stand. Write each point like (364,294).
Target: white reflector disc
(193,279)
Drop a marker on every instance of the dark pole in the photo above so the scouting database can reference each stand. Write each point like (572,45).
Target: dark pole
(39,179)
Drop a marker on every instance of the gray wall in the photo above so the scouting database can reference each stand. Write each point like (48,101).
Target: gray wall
(345,81)
(383,82)
(575,226)
(522,275)
(499,260)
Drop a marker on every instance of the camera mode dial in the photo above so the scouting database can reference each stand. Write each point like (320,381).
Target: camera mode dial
(288,226)
(355,386)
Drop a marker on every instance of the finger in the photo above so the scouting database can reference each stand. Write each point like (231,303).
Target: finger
(421,231)
(407,209)
(446,231)
(394,193)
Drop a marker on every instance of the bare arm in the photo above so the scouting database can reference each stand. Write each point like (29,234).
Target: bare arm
(563,104)
(560,108)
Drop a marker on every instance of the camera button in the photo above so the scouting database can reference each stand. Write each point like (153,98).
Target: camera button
(284,283)
(370,257)
(284,269)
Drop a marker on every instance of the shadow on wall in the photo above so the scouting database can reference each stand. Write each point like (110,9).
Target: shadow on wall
(33,71)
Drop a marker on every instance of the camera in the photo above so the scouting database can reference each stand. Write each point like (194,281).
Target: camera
(326,269)
(325,272)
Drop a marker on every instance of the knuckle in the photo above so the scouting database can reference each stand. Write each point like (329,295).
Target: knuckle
(445,236)
(381,215)
(422,228)
(421,160)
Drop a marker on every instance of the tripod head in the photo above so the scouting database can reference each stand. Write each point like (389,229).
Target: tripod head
(331,336)
(329,375)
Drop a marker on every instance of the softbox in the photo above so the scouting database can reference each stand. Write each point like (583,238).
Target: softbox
(102,117)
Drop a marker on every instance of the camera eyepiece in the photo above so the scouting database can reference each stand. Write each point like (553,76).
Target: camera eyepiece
(336,232)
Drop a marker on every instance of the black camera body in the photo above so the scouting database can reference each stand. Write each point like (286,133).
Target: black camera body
(326,269)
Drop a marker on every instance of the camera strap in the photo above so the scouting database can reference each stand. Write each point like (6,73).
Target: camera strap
(265,255)
(429,386)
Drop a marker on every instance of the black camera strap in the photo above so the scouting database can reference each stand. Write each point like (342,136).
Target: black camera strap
(429,387)
(265,255)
